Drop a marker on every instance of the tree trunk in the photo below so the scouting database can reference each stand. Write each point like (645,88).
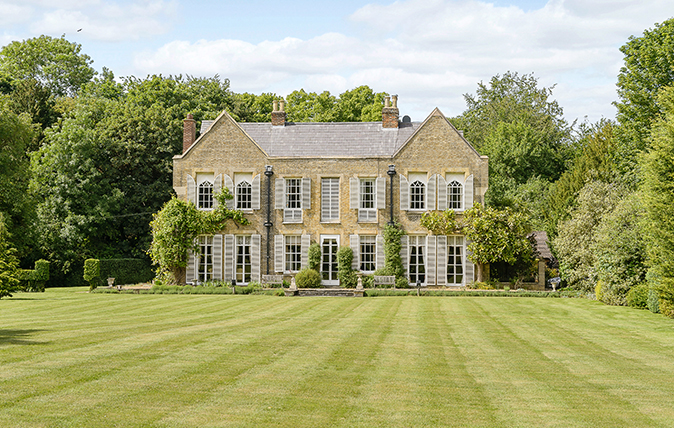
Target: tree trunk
(482,272)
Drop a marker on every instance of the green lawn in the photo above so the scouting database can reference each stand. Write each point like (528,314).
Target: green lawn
(68,358)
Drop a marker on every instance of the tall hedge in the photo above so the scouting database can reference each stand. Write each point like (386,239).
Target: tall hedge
(34,279)
(125,271)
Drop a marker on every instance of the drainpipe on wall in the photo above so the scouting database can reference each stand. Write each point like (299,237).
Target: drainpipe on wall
(391,173)
(268,224)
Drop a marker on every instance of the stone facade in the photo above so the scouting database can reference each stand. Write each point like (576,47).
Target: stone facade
(331,173)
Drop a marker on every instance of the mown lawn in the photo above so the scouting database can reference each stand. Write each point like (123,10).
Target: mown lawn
(68,358)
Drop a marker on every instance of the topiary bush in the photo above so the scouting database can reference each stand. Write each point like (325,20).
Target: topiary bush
(653,301)
(347,277)
(34,279)
(92,272)
(308,278)
(598,292)
(402,282)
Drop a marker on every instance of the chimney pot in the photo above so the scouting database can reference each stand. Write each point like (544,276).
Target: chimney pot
(275,105)
(278,117)
(389,114)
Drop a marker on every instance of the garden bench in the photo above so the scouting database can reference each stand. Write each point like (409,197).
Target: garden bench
(272,279)
(384,280)
(135,288)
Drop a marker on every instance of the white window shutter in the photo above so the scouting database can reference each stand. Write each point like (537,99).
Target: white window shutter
(468,193)
(278,253)
(217,187)
(430,199)
(305,243)
(306,193)
(441,256)
(470,267)
(191,273)
(381,193)
(229,184)
(229,257)
(255,203)
(404,251)
(404,193)
(191,192)
(280,194)
(217,257)
(354,241)
(431,260)
(255,256)
(442,193)
(354,193)
(380,257)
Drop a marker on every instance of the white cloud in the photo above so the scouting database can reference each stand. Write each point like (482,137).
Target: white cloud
(431,52)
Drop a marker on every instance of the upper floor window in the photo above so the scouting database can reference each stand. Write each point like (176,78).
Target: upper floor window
(417,195)
(329,199)
(454,195)
(366,203)
(293,196)
(205,195)
(244,195)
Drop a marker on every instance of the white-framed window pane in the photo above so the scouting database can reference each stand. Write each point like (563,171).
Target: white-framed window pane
(244,265)
(454,195)
(294,193)
(366,193)
(205,195)
(330,199)
(293,253)
(244,195)
(417,195)
(205,265)
(455,260)
(367,253)
(417,266)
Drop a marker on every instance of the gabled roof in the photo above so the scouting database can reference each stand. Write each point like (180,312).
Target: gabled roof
(313,139)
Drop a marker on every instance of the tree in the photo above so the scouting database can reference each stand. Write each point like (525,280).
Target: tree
(9,264)
(595,161)
(107,167)
(54,62)
(495,235)
(16,135)
(175,229)
(658,198)
(649,67)
(32,97)
(360,104)
(311,107)
(620,251)
(576,241)
(252,108)
(512,98)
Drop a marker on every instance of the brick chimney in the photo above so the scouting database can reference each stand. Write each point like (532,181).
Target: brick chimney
(189,132)
(389,114)
(278,114)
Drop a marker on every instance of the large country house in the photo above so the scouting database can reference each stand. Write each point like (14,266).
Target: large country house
(337,184)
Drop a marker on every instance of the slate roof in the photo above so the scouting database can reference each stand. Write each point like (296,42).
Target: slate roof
(334,139)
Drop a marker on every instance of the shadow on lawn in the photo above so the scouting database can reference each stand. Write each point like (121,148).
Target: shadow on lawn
(18,337)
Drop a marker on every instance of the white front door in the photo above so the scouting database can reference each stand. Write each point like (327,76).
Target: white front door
(329,247)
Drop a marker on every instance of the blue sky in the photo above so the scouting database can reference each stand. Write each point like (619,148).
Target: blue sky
(429,52)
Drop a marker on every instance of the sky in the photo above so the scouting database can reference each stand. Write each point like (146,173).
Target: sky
(428,52)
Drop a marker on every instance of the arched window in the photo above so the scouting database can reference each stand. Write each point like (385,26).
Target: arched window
(205,197)
(454,195)
(244,196)
(417,195)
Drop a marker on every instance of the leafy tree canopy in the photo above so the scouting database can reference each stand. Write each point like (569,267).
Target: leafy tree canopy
(649,67)
(9,264)
(55,62)
(658,189)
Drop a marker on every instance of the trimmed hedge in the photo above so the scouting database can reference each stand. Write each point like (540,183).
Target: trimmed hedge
(34,279)
(376,292)
(125,271)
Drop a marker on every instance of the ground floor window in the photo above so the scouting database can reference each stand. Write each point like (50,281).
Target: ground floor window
(455,260)
(205,265)
(244,265)
(417,267)
(368,247)
(293,253)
